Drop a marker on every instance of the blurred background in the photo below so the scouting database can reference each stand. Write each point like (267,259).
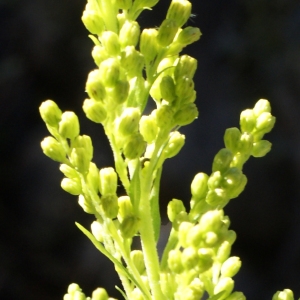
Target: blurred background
(250,49)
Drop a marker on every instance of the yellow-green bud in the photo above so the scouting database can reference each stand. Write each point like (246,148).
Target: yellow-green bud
(132,61)
(167,88)
(69,125)
(231,266)
(230,237)
(99,294)
(232,138)
(225,284)
(186,66)
(205,259)
(110,71)
(135,146)
(94,111)
(137,258)
(286,294)
(184,87)
(211,220)
(199,186)
(129,33)
(73,287)
(167,32)
(246,143)
(222,160)
(189,35)
(183,230)
(261,106)
(164,116)
(148,43)
(217,198)
(71,186)
(175,143)
(94,87)
(99,54)
(265,122)
(247,120)
(190,258)
(194,291)
(214,181)
(85,142)
(261,148)
(175,262)
(210,238)
(108,181)
(223,251)
(69,171)
(110,205)
(236,296)
(194,235)
(110,41)
(180,11)
(86,204)
(125,208)
(97,231)
(129,226)
(181,217)
(80,160)
(119,93)
(93,177)
(53,149)
(123,4)
(79,296)
(50,113)
(174,208)
(128,122)
(92,21)
(148,128)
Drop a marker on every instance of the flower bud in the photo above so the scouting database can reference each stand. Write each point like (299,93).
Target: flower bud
(167,88)
(132,61)
(148,128)
(225,284)
(174,261)
(99,294)
(185,67)
(85,142)
(110,205)
(261,106)
(261,148)
(199,186)
(69,125)
(174,208)
(50,113)
(286,294)
(214,180)
(53,149)
(175,143)
(80,160)
(86,204)
(232,138)
(167,32)
(211,220)
(123,4)
(135,146)
(183,231)
(129,226)
(222,160)
(247,120)
(119,93)
(236,296)
(110,41)
(181,217)
(195,290)
(137,258)
(129,33)
(180,11)
(110,71)
(99,54)
(210,238)
(125,208)
(97,231)
(217,198)
(184,87)
(234,182)
(186,114)
(205,259)
(148,43)
(92,21)
(93,177)
(73,287)
(108,181)
(94,86)
(265,122)
(69,171)
(71,186)
(246,143)
(164,116)
(223,251)
(94,111)
(189,35)
(128,122)
(231,266)
(190,258)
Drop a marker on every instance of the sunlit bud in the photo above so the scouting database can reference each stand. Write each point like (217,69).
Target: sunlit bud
(148,128)
(125,208)
(129,226)
(199,185)
(189,35)
(184,87)
(110,41)
(183,230)
(71,186)
(138,92)
(164,116)
(232,138)
(195,290)
(73,287)
(210,238)
(110,71)
(225,284)
(53,149)
(110,205)
(286,294)
(231,266)
(119,93)
(67,297)
(166,66)
(94,110)
(93,177)
(205,259)
(68,171)
(50,113)
(234,182)
(99,294)
(261,148)
(85,142)
(128,122)
(214,180)
(174,261)
(223,252)
(236,296)
(247,120)
(167,32)
(123,4)
(186,114)
(167,88)
(129,34)
(190,258)
(217,198)
(180,11)
(155,92)
(230,237)
(211,220)
(181,217)
(265,122)
(86,204)
(69,125)
(137,258)
(97,231)
(222,160)
(246,143)
(148,43)
(80,160)
(194,235)
(99,54)
(135,147)
(175,206)
(94,87)
(132,61)
(79,296)
(92,21)
(174,145)
(108,181)
(261,106)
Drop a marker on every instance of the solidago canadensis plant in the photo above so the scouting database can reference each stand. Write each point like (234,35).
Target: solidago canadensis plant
(133,66)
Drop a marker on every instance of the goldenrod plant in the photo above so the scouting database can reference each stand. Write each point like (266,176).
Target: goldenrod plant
(134,66)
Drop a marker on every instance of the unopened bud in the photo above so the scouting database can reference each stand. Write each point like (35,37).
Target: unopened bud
(223,252)
(94,87)
(186,114)
(132,61)
(99,294)
(92,21)
(53,149)
(110,71)
(231,266)
(97,231)
(174,145)
(50,113)
(236,296)
(286,294)
(265,122)
(71,186)
(167,88)
(125,208)
(137,258)
(205,259)
(184,87)
(164,116)
(148,43)
(174,261)
(190,258)
(99,54)
(246,143)
(80,160)
(148,128)
(222,160)
(119,93)
(129,33)
(225,284)
(185,67)
(129,226)
(86,204)
(128,122)
(110,41)
(261,148)
(135,146)
(247,120)
(93,177)
(234,182)
(167,32)
(68,171)
(183,231)
(189,35)
(174,208)
(110,205)
(261,106)
(69,125)
(180,11)
(199,186)
(108,181)
(232,138)
(85,142)
(94,110)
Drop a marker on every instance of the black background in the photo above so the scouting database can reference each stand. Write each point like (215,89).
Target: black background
(250,49)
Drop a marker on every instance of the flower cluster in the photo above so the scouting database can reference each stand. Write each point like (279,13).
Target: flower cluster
(131,65)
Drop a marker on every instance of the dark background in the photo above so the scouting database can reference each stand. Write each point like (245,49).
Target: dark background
(250,49)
